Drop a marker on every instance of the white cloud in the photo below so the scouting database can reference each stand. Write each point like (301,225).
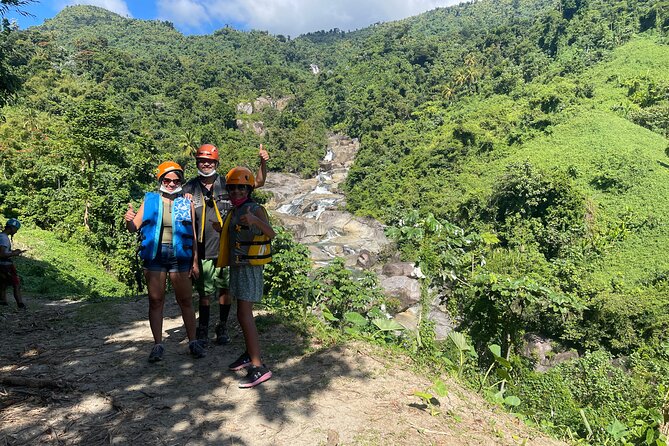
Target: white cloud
(293,17)
(188,13)
(120,7)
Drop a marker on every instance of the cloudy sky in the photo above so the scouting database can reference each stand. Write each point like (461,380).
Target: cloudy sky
(287,17)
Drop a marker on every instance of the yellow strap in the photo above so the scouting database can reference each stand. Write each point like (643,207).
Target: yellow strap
(204,215)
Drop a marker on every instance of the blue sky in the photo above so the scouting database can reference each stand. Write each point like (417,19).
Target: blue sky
(287,17)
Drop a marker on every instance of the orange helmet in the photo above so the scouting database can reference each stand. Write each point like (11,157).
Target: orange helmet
(240,175)
(208,152)
(169,166)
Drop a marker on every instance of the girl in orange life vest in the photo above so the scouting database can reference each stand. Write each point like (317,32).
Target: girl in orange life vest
(248,219)
(165,220)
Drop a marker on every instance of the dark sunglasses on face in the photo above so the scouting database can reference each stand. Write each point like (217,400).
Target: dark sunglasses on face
(171,180)
(236,186)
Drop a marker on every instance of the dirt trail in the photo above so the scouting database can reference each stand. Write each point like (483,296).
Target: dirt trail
(99,389)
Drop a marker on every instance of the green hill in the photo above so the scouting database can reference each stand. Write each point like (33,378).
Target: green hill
(517,150)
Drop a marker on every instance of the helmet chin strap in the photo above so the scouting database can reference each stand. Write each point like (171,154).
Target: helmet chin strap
(202,174)
(164,190)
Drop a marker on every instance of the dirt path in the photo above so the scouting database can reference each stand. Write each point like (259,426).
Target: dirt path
(97,388)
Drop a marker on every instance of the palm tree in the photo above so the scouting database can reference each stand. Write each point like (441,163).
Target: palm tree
(188,144)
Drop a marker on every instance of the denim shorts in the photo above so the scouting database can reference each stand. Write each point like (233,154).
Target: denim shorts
(166,261)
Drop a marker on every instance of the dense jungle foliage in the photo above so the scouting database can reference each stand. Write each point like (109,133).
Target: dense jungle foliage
(516,149)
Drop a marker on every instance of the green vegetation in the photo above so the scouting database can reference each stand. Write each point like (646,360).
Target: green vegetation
(516,149)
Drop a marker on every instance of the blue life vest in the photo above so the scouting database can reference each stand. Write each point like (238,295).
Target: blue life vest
(152,220)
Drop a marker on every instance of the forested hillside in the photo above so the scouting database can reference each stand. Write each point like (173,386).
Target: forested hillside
(517,150)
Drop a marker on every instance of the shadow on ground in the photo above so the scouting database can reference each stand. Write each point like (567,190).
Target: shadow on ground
(89,382)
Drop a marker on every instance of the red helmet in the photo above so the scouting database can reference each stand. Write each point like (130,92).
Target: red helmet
(169,166)
(207,152)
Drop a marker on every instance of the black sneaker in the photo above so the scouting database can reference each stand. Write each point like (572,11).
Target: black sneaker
(202,334)
(255,376)
(156,353)
(242,362)
(222,337)
(197,349)
(22,306)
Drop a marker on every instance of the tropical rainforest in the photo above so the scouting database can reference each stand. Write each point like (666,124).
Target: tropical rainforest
(517,150)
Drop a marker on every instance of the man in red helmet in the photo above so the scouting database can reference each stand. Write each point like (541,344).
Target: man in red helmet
(211,201)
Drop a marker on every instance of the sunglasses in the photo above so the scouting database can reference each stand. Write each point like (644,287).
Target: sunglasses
(171,180)
(236,186)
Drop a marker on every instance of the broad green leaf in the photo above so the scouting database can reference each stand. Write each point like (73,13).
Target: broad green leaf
(327,314)
(423,395)
(387,324)
(512,400)
(355,318)
(495,350)
(459,340)
(440,388)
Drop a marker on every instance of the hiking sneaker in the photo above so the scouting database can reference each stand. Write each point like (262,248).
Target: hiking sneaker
(197,349)
(242,362)
(255,376)
(202,334)
(156,353)
(222,337)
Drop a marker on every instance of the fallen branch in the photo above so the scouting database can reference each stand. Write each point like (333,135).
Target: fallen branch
(37,383)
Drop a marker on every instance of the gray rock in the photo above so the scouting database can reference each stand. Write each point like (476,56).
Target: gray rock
(405,289)
(443,324)
(398,269)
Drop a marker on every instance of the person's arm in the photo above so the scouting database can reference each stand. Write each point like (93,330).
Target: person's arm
(195,268)
(259,220)
(133,220)
(262,170)
(6,253)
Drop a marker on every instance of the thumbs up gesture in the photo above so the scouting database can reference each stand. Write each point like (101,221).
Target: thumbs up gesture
(130,213)
(263,154)
(248,218)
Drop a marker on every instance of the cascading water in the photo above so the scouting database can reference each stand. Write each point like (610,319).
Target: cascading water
(312,209)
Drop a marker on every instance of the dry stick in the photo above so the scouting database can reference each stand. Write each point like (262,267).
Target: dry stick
(429,431)
(31,382)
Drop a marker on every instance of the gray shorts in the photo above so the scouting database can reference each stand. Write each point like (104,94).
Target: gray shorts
(246,283)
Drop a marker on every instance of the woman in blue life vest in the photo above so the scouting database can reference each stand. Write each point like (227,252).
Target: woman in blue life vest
(165,220)
(244,228)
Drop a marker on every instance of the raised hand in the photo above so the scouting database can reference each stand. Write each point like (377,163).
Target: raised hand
(263,154)
(130,213)
(248,218)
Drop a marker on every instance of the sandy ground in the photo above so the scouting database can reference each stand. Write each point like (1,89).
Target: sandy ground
(77,374)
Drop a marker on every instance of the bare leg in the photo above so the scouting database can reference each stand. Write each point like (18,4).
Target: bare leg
(17,295)
(248,324)
(183,290)
(224,297)
(155,281)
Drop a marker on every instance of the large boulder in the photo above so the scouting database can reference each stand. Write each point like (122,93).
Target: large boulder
(544,352)
(402,288)
(398,269)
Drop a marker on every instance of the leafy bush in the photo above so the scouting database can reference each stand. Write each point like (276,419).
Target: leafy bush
(529,205)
